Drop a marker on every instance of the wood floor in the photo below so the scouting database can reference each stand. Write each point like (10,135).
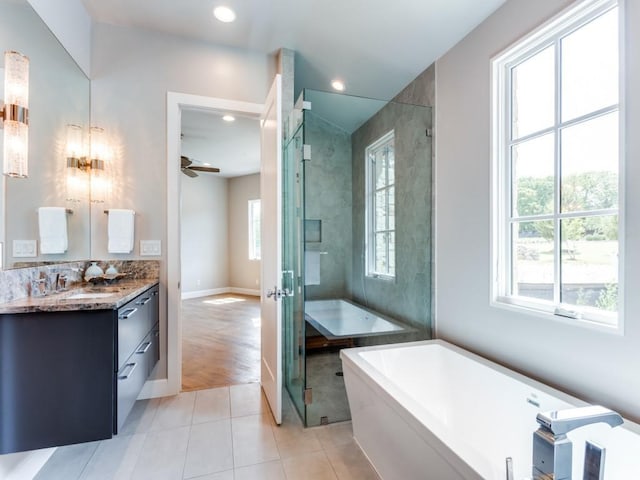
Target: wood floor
(220,341)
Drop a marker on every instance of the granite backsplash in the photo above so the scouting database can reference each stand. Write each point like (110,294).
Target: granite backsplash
(17,283)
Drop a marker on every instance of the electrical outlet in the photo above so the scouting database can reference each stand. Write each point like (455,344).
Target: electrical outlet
(24,248)
(150,248)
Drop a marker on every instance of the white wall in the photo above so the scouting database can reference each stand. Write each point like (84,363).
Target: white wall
(70,22)
(244,273)
(204,233)
(597,366)
(131,72)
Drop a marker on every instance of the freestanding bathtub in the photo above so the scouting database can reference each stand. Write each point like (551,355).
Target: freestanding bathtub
(430,410)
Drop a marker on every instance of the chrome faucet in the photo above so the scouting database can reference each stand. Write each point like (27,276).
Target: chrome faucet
(552,450)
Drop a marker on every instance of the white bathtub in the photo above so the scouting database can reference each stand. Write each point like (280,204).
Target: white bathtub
(343,319)
(431,410)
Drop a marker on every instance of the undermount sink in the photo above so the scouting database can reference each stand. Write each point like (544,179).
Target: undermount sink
(88,295)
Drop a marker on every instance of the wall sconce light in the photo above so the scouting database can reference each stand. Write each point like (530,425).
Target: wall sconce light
(83,168)
(15,114)
(99,154)
(77,167)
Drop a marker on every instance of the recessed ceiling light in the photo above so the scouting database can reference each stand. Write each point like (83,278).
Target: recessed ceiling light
(224,14)
(338,85)
(229,118)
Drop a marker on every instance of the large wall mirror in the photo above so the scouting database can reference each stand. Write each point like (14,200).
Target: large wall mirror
(59,95)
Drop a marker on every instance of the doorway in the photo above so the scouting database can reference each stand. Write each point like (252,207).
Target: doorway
(220,248)
(177,106)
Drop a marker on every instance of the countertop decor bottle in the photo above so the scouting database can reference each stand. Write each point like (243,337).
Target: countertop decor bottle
(111,270)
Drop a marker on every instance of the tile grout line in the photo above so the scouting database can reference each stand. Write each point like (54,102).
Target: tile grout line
(145,434)
(233,448)
(89,460)
(186,452)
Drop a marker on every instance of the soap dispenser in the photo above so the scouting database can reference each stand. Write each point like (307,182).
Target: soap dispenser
(94,270)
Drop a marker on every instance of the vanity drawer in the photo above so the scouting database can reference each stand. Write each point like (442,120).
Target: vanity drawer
(135,320)
(132,328)
(131,377)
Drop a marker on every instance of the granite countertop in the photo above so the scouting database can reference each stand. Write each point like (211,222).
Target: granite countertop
(109,297)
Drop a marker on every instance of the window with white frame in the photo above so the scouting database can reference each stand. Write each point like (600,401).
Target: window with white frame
(254,229)
(556,138)
(380,208)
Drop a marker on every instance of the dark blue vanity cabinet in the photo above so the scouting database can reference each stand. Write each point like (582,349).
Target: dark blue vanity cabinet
(138,351)
(73,376)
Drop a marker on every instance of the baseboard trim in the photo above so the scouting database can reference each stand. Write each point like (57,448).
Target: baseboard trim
(220,291)
(205,293)
(246,291)
(156,388)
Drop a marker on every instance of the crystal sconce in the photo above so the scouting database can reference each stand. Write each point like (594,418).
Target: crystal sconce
(15,114)
(87,169)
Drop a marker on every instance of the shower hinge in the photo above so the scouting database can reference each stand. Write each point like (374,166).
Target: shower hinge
(306,152)
(307,396)
(429,132)
(302,104)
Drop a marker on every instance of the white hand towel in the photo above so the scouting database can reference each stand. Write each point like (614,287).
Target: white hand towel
(120,230)
(311,267)
(52,223)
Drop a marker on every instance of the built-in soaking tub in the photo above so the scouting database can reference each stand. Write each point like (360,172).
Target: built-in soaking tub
(338,319)
(431,410)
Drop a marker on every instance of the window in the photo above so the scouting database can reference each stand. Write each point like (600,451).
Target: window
(254,229)
(380,208)
(556,167)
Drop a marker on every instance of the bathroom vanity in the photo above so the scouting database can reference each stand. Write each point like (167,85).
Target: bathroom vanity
(72,364)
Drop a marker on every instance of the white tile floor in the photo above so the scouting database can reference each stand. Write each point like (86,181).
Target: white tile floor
(218,434)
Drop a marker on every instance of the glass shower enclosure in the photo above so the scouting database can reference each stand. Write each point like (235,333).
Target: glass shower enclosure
(352,163)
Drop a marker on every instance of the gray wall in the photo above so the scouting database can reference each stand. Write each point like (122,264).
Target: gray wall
(407,297)
(328,198)
(244,274)
(215,235)
(598,366)
(204,233)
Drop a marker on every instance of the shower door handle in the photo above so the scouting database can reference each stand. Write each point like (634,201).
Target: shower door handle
(276,293)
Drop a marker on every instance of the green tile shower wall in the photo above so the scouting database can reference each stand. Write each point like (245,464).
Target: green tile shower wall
(335,186)
(408,296)
(328,198)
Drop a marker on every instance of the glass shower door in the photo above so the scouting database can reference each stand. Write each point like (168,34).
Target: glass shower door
(293,266)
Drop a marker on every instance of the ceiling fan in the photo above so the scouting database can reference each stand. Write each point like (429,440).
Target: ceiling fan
(188,168)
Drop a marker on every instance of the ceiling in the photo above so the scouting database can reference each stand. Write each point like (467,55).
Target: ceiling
(233,147)
(377,47)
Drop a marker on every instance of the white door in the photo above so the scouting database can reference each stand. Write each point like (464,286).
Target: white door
(271,249)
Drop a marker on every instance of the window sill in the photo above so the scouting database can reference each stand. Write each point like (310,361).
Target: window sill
(375,276)
(546,312)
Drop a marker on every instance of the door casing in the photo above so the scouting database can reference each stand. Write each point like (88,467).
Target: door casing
(176,102)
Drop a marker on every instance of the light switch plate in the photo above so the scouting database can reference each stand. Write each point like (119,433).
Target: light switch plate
(24,248)
(150,248)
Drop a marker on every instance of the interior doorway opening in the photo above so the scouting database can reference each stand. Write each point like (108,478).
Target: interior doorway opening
(220,240)
(204,277)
